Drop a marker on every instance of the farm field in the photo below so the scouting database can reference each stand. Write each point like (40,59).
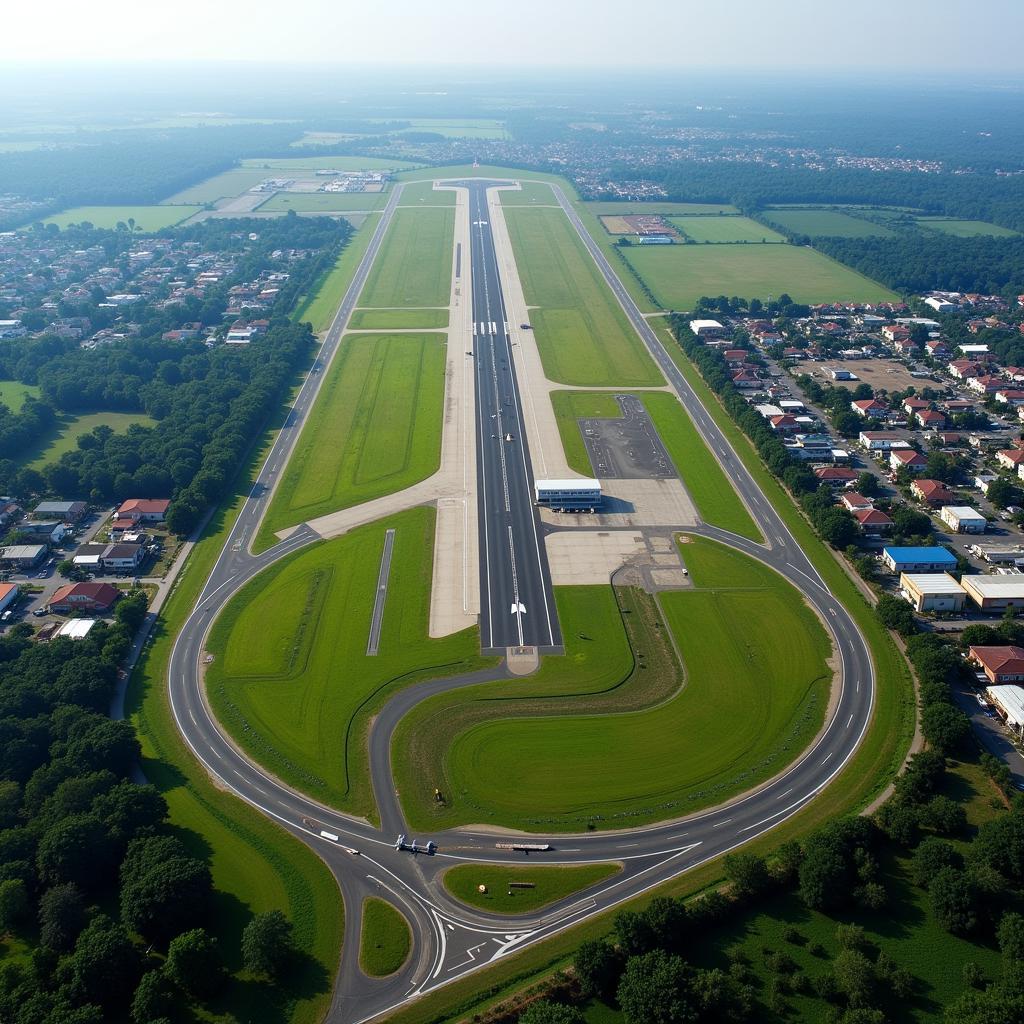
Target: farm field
(386,939)
(398,319)
(414,265)
(724,229)
(324,202)
(295,690)
(375,429)
(680,274)
(147,218)
(703,477)
(225,185)
(965,228)
(605,208)
(550,884)
(13,393)
(423,193)
(826,223)
(71,428)
(582,333)
(319,307)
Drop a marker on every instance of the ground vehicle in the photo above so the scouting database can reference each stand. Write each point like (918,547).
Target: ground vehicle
(37,612)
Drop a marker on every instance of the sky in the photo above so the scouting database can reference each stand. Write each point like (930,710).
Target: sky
(979,36)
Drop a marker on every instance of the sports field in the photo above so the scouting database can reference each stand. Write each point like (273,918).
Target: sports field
(583,336)
(680,274)
(386,939)
(624,208)
(147,218)
(375,428)
(398,319)
(677,757)
(703,477)
(826,223)
(324,202)
(70,428)
(414,265)
(290,679)
(549,884)
(423,193)
(965,228)
(724,229)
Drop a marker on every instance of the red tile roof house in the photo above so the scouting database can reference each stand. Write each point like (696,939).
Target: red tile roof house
(1010,396)
(835,476)
(932,492)
(1000,664)
(902,459)
(745,379)
(964,368)
(784,424)
(931,419)
(912,405)
(870,408)
(84,597)
(854,502)
(136,510)
(735,355)
(1010,459)
(873,521)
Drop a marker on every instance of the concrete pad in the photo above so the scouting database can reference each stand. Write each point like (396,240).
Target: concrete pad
(522,661)
(583,557)
(634,503)
(665,578)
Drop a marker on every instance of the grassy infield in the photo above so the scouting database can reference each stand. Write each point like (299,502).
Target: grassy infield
(386,939)
(550,884)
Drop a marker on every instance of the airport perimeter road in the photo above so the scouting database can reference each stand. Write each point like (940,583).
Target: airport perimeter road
(517,606)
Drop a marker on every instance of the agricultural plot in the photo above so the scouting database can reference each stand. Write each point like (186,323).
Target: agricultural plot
(324,202)
(71,428)
(414,265)
(965,228)
(386,939)
(826,223)
(712,493)
(546,884)
(146,218)
(679,275)
(724,229)
(291,680)
(398,319)
(582,333)
(375,429)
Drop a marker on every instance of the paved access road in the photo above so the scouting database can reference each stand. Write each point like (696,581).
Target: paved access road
(450,940)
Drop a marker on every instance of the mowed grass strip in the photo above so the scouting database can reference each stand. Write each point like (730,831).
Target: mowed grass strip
(398,319)
(826,223)
(291,680)
(414,265)
(385,940)
(423,193)
(705,481)
(549,884)
(529,193)
(324,202)
(679,275)
(147,218)
(582,333)
(724,229)
(375,428)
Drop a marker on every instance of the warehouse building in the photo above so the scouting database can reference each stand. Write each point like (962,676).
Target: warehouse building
(995,593)
(963,519)
(707,328)
(1008,700)
(22,556)
(918,559)
(932,592)
(568,495)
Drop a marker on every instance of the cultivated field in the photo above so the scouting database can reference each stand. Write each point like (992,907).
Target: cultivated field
(290,678)
(324,202)
(70,428)
(724,229)
(705,481)
(826,223)
(881,374)
(398,319)
(386,939)
(549,884)
(375,428)
(582,333)
(414,265)
(965,228)
(147,218)
(680,274)
(423,193)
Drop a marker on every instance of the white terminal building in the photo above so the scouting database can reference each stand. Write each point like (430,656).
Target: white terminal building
(568,495)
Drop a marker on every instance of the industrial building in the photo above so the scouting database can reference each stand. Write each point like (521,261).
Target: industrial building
(23,556)
(568,495)
(707,328)
(1008,700)
(932,592)
(995,593)
(918,559)
(963,519)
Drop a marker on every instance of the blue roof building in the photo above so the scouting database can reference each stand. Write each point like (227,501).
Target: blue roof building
(935,559)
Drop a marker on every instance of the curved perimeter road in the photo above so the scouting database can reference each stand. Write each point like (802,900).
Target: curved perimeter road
(451,940)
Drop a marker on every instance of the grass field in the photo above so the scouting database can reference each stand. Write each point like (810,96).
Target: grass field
(324,202)
(826,223)
(582,333)
(398,319)
(680,274)
(13,393)
(724,229)
(221,186)
(414,265)
(459,128)
(550,884)
(965,228)
(705,481)
(319,307)
(375,428)
(625,208)
(147,218)
(324,163)
(423,193)
(71,428)
(291,680)
(531,193)
(386,939)
(485,171)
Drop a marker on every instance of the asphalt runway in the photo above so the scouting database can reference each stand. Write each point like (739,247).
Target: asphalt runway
(628,448)
(450,940)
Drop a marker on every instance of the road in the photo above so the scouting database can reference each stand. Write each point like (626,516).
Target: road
(450,940)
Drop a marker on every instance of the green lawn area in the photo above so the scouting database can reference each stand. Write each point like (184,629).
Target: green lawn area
(375,428)
(414,265)
(582,333)
(626,209)
(398,319)
(550,884)
(531,193)
(147,218)
(324,202)
(291,680)
(724,229)
(485,171)
(386,939)
(965,228)
(13,393)
(705,481)
(319,308)
(71,428)
(680,274)
(423,193)
(324,163)
(826,223)
(459,128)
(225,185)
